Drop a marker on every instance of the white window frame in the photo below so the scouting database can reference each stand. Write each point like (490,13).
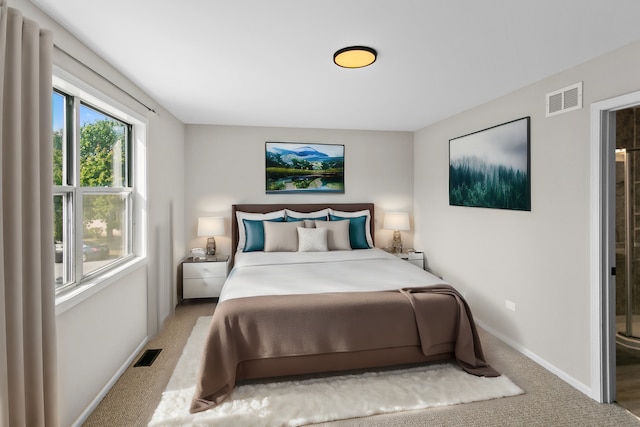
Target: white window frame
(84,287)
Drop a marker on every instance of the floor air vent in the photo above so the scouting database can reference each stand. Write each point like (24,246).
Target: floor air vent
(148,357)
(564,100)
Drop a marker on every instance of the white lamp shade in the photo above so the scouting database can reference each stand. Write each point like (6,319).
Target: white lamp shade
(396,221)
(210,226)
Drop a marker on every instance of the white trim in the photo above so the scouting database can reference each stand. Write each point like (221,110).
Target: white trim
(595,238)
(539,360)
(82,292)
(601,323)
(67,82)
(96,401)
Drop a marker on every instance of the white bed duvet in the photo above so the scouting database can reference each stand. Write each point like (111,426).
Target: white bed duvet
(287,273)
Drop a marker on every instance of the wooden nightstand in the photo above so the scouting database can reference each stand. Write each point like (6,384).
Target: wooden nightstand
(415,258)
(204,278)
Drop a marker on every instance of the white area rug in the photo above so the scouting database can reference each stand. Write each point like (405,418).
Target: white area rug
(295,403)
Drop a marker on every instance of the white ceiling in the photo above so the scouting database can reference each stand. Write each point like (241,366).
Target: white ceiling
(270,63)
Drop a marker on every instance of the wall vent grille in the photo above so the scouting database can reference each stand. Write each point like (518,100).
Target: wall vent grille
(564,100)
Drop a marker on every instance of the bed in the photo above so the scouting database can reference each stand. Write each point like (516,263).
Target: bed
(309,293)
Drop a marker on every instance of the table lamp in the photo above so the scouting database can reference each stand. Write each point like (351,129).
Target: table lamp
(209,226)
(396,221)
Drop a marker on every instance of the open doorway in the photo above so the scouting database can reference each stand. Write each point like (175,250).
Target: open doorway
(627,258)
(606,246)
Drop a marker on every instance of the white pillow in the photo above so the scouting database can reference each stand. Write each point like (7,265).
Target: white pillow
(316,214)
(312,239)
(337,234)
(252,216)
(367,224)
(280,236)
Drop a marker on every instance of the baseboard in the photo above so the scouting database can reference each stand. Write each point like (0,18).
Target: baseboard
(96,401)
(578,385)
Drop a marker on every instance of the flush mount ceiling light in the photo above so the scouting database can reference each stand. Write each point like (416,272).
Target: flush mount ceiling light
(355,57)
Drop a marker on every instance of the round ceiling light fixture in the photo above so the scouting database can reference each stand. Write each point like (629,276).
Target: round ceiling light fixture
(355,57)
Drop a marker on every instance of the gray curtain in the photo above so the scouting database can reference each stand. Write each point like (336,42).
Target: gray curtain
(28,379)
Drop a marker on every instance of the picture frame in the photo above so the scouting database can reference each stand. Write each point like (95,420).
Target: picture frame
(491,168)
(292,167)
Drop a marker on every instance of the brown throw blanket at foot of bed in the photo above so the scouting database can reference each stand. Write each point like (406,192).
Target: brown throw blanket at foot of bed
(435,319)
(468,349)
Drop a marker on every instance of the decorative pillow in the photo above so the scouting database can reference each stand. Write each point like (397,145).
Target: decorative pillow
(367,225)
(321,214)
(312,239)
(254,231)
(309,223)
(337,234)
(357,232)
(252,216)
(280,236)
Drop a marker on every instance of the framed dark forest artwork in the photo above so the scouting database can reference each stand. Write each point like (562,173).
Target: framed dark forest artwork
(304,168)
(491,168)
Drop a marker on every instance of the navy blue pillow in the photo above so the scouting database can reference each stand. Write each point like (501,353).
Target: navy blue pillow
(254,232)
(357,231)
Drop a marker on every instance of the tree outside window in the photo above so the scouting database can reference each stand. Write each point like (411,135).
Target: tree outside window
(103,189)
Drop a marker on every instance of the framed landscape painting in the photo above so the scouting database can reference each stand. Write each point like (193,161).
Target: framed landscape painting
(304,168)
(491,168)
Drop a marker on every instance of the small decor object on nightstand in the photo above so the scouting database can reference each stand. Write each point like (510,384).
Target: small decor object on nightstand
(209,226)
(198,253)
(396,221)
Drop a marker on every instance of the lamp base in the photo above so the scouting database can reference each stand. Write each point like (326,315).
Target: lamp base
(211,246)
(397,242)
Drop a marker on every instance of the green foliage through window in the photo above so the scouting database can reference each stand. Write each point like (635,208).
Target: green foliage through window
(92,209)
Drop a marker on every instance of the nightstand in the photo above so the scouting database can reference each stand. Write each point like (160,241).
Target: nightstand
(204,278)
(415,258)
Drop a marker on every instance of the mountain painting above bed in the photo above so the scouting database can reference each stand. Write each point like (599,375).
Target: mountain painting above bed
(298,167)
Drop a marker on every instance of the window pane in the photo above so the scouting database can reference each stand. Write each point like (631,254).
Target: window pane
(103,150)
(105,234)
(60,240)
(57,105)
(91,238)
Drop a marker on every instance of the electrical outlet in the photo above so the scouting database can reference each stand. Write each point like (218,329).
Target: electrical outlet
(510,305)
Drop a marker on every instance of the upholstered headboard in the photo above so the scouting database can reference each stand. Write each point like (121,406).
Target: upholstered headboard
(306,207)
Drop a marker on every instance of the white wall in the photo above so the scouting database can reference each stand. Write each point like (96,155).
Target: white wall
(95,338)
(225,165)
(98,336)
(166,184)
(538,259)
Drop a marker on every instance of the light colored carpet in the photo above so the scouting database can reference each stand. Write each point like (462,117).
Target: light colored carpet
(548,400)
(313,400)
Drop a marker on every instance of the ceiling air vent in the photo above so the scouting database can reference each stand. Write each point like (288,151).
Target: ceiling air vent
(564,100)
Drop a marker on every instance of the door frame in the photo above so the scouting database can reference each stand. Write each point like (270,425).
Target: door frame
(602,244)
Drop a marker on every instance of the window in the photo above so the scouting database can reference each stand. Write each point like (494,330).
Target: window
(95,188)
